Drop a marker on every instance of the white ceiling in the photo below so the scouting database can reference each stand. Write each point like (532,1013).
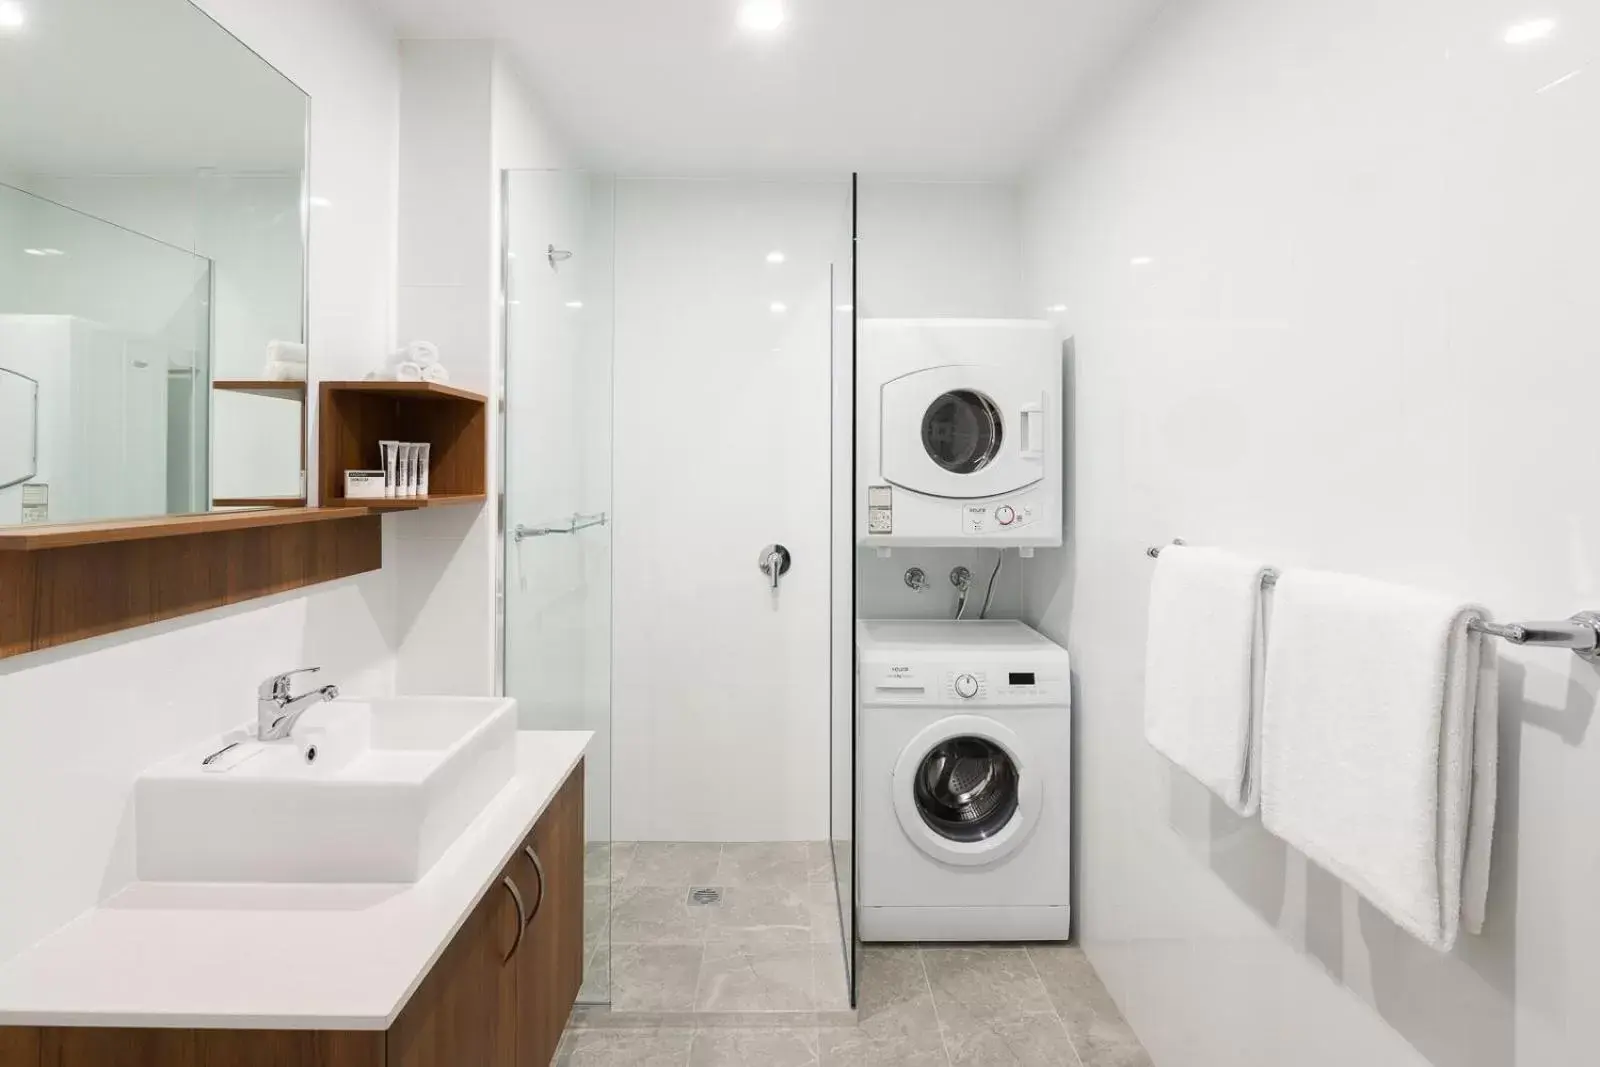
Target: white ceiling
(140,87)
(965,88)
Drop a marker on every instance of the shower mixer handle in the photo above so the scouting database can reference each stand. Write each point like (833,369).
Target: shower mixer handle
(774,563)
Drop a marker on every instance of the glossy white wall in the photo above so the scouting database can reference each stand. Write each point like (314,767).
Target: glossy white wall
(78,723)
(1329,275)
(462,120)
(931,249)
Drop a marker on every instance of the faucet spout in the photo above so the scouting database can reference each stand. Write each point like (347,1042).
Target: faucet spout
(277,711)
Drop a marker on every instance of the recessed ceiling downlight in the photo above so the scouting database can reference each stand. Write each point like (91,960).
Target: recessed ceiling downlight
(13,16)
(761,16)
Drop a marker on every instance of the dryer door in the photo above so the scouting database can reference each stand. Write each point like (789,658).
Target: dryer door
(964,791)
(963,432)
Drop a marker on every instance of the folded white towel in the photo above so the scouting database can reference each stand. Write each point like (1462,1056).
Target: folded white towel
(422,353)
(436,373)
(286,352)
(1203,669)
(279,371)
(407,372)
(1379,745)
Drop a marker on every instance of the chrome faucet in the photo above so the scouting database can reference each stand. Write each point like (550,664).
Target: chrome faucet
(277,711)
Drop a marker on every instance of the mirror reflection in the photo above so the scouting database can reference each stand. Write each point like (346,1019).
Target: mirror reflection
(152,266)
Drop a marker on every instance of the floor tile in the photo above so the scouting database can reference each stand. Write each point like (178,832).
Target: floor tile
(625,1048)
(621,859)
(1030,1040)
(754,1048)
(654,977)
(759,914)
(672,863)
(823,899)
(656,915)
(819,862)
(985,982)
(785,864)
(832,986)
(1103,1038)
(596,988)
(737,977)
(597,863)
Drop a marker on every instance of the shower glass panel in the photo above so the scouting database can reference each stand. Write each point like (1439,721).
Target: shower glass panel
(556,578)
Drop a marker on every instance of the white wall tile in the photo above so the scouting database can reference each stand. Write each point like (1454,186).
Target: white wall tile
(1328,279)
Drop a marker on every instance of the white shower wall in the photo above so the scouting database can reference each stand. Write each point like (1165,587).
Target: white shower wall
(938,250)
(1329,275)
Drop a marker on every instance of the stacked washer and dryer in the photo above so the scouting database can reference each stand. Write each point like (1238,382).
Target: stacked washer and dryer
(963,727)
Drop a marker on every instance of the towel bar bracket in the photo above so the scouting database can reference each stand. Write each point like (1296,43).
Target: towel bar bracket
(1580,634)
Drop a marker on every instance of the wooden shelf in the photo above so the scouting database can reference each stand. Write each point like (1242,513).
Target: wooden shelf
(407,503)
(259,502)
(70,535)
(353,417)
(262,387)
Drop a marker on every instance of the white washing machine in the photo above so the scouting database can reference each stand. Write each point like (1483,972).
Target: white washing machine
(964,796)
(959,433)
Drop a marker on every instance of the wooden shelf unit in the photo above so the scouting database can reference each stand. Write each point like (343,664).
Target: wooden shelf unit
(352,417)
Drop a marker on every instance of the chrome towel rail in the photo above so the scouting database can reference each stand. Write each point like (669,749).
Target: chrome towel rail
(573,525)
(1581,633)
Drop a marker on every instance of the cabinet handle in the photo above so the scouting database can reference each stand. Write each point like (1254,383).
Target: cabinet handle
(538,868)
(522,917)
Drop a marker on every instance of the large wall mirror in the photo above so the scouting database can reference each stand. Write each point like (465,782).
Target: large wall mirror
(153,213)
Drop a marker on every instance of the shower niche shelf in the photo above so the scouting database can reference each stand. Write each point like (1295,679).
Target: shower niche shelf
(352,417)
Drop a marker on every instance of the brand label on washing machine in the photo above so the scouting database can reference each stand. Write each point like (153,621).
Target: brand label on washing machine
(880,509)
(995,518)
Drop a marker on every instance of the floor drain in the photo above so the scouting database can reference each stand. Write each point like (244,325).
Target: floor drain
(705,895)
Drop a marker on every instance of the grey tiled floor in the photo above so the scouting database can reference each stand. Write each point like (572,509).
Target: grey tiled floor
(770,945)
(920,1006)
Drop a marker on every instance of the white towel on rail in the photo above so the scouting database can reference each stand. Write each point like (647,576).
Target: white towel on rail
(1379,745)
(1203,668)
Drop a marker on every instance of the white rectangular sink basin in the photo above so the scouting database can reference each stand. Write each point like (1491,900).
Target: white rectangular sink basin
(365,790)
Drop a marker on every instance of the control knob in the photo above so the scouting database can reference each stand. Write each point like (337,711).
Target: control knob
(966,686)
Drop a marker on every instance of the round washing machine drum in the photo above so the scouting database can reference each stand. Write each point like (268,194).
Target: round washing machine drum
(964,793)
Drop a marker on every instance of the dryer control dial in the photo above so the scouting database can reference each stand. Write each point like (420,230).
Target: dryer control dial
(966,686)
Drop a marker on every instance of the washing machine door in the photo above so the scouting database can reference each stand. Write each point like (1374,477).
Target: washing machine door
(963,432)
(965,792)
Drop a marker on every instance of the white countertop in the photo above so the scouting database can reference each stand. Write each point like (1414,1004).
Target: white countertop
(277,957)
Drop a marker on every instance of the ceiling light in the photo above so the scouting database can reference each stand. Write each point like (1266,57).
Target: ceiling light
(775,257)
(761,16)
(1532,30)
(1140,261)
(778,307)
(44,251)
(12,15)
(574,303)
(320,201)
(1054,308)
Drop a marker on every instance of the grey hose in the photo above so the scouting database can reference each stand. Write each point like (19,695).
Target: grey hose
(988,594)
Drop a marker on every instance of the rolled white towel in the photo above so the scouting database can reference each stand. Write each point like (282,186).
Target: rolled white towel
(280,371)
(436,373)
(406,371)
(422,353)
(286,352)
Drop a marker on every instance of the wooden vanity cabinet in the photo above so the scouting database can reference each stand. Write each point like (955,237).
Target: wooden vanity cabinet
(494,998)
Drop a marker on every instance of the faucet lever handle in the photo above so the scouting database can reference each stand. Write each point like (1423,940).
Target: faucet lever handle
(277,687)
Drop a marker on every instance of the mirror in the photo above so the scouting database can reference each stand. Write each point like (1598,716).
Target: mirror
(153,215)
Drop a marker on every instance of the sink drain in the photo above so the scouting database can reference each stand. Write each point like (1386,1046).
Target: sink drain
(702,896)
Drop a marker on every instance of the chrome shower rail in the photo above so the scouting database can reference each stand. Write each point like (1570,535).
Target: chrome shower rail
(573,525)
(1581,633)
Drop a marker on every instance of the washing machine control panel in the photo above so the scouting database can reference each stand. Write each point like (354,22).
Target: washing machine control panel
(1021,684)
